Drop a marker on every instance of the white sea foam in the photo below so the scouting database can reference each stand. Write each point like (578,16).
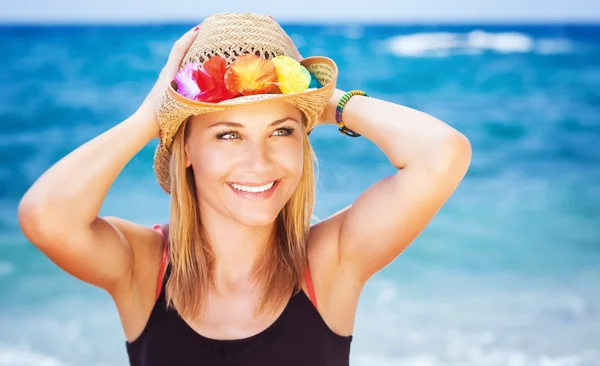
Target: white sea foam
(22,356)
(475,42)
(463,321)
(506,358)
(65,332)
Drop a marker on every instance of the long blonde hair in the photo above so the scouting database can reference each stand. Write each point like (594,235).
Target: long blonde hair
(280,269)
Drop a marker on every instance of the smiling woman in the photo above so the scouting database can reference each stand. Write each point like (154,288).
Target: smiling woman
(249,166)
(239,276)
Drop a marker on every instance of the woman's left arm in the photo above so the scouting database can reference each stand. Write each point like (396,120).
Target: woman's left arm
(432,159)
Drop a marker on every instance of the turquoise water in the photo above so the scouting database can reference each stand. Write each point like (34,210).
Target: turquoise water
(508,273)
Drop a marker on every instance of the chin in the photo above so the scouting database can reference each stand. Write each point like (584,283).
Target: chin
(256,219)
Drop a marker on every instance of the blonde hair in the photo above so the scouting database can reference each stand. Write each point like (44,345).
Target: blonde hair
(280,268)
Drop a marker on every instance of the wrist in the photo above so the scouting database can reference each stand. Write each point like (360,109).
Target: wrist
(329,113)
(146,117)
(335,108)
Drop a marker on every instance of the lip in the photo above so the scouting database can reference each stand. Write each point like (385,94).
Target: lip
(257,196)
(255,184)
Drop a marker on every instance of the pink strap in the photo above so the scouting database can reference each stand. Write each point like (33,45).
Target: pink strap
(311,290)
(163,262)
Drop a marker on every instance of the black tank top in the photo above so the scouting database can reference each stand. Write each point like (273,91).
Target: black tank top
(299,336)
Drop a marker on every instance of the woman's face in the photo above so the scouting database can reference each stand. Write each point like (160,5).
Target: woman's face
(247,161)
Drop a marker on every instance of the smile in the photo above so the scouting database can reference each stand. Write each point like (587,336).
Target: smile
(260,191)
(253,189)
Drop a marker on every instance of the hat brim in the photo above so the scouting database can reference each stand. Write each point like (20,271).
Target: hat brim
(175,109)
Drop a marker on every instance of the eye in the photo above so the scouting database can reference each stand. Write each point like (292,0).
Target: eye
(285,131)
(229,135)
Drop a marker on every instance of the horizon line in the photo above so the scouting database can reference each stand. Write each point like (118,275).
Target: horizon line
(318,21)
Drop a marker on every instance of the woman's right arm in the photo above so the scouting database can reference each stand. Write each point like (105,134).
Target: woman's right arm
(59,213)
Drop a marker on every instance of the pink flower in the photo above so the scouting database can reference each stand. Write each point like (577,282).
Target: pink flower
(186,85)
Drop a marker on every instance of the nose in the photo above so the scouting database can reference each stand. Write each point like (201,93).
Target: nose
(258,159)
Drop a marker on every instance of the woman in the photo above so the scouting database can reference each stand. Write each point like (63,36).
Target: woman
(239,277)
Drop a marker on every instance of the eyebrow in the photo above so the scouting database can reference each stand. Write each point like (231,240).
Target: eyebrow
(240,125)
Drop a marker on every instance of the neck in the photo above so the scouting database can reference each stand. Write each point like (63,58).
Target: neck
(236,247)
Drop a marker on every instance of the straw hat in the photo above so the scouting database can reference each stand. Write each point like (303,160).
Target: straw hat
(230,35)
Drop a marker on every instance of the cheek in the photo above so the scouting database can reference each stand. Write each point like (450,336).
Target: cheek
(291,161)
(210,167)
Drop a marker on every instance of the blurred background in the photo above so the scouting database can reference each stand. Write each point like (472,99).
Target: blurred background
(508,272)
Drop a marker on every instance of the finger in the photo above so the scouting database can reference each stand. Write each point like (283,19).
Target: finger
(180,47)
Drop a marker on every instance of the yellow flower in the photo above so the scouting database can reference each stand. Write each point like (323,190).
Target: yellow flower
(292,77)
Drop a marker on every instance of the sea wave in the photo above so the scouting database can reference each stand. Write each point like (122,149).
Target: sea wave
(20,356)
(475,42)
(478,358)
(450,324)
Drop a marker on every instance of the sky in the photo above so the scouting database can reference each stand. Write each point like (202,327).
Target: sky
(125,11)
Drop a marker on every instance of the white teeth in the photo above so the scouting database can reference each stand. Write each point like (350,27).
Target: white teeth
(252,189)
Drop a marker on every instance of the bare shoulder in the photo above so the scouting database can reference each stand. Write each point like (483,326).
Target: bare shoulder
(323,243)
(337,294)
(135,297)
(146,245)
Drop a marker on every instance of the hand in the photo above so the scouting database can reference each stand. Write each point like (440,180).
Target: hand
(150,105)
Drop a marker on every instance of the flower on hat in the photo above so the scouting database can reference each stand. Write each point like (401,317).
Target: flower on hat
(186,83)
(211,81)
(292,77)
(249,74)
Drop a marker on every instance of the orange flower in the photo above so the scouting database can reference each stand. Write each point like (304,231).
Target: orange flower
(250,74)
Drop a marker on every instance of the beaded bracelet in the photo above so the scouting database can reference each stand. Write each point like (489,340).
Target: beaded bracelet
(340,107)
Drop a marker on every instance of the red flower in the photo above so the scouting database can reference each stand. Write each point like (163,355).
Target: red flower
(211,81)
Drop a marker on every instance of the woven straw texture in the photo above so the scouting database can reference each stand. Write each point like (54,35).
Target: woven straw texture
(230,35)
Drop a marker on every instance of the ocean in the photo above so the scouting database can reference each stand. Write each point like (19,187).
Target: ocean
(508,272)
